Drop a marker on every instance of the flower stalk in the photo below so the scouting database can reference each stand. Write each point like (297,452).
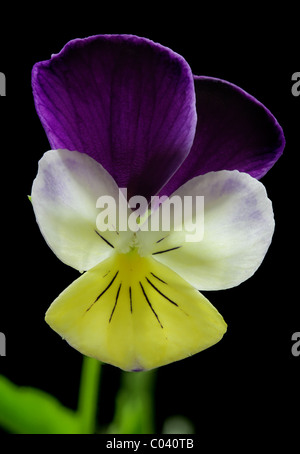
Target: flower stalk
(134,413)
(88,394)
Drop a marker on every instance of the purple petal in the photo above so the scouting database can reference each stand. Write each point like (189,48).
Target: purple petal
(234,132)
(127,102)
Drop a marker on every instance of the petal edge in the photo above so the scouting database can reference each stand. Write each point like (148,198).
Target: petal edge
(234,131)
(126,101)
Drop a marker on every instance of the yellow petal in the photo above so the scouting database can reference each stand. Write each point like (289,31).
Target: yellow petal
(135,313)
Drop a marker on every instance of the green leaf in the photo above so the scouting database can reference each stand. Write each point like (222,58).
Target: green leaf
(26,410)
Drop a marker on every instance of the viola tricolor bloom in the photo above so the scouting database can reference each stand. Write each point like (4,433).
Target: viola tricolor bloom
(124,112)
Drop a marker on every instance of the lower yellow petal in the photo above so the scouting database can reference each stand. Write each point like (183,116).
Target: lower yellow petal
(135,313)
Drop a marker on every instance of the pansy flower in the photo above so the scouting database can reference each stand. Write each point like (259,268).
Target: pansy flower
(124,112)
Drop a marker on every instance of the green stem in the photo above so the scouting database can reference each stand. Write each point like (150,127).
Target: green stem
(88,394)
(135,404)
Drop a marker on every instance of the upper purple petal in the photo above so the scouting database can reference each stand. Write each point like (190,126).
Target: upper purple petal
(234,131)
(127,102)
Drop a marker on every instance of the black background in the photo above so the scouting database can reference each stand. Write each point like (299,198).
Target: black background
(249,382)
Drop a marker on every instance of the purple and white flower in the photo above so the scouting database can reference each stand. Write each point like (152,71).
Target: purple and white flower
(124,112)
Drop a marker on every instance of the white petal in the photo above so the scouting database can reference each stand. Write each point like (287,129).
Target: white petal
(64,197)
(238,229)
